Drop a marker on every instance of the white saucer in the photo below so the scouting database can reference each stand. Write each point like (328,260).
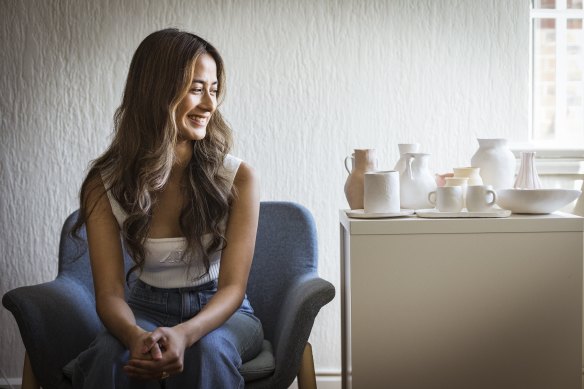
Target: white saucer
(360,214)
(434,213)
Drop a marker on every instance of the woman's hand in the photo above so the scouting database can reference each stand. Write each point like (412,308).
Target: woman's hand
(139,350)
(158,354)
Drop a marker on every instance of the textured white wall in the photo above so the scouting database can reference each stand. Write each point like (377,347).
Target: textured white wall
(307,82)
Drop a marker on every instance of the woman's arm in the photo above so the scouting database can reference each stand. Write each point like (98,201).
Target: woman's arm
(236,258)
(236,261)
(107,265)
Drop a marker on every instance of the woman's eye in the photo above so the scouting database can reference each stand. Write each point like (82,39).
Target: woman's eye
(197,90)
(214,91)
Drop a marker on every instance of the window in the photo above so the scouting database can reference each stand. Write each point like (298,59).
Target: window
(557,73)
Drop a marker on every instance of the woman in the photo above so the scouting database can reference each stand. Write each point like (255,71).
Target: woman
(187,213)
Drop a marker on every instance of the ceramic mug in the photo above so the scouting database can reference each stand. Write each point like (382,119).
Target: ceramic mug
(447,198)
(480,198)
(458,181)
(381,192)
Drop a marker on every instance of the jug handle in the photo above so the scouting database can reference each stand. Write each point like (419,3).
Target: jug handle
(409,167)
(348,157)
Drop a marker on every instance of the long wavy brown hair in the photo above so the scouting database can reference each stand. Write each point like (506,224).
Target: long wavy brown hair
(138,162)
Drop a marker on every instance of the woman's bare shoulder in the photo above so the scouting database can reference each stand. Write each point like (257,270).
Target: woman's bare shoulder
(246,176)
(95,200)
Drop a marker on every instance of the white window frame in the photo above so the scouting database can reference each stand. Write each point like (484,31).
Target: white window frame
(561,14)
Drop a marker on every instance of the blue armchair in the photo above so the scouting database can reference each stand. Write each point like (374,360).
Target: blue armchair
(283,287)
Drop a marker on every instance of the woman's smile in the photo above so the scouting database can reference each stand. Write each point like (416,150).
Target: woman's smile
(199,120)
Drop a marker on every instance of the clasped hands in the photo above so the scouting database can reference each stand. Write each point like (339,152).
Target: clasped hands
(156,355)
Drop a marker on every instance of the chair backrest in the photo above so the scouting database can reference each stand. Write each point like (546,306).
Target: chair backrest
(286,249)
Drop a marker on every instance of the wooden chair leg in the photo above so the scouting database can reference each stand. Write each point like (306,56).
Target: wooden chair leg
(29,381)
(306,375)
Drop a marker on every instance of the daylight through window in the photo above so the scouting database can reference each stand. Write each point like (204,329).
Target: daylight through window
(557,63)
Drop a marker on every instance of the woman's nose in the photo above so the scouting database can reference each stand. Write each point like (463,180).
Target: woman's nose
(208,101)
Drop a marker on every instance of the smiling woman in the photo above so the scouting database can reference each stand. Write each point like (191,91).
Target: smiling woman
(198,104)
(168,187)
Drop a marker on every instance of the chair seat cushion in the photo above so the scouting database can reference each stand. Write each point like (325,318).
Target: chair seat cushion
(263,365)
(69,368)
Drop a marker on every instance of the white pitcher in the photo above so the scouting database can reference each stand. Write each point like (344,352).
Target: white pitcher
(405,148)
(416,182)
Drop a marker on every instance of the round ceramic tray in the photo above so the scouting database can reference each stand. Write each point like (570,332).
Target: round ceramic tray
(360,214)
(436,214)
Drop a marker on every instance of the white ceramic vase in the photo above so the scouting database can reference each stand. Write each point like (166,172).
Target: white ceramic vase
(496,163)
(405,148)
(472,173)
(527,177)
(416,182)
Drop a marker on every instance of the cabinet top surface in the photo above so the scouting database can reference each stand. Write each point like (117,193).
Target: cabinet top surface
(555,222)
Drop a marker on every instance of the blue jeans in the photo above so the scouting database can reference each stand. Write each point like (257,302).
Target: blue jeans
(210,363)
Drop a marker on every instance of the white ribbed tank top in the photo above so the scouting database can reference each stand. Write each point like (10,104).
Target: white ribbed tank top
(163,266)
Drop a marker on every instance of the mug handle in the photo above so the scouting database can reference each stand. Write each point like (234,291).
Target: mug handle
(348,157)
(492,192)
(432,198)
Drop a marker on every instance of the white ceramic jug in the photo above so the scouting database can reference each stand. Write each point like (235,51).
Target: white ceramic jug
(496,161)
(416,182)
(405,148)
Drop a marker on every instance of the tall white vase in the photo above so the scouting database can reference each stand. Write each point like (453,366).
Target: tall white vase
(527,177)
(496,161)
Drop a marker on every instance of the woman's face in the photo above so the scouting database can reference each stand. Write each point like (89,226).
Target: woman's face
(195,108)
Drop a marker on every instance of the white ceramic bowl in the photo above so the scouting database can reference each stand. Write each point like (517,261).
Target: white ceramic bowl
(535,200)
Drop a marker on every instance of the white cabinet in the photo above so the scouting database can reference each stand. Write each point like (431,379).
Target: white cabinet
(462,303)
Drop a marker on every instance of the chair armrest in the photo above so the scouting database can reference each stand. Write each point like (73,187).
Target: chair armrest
(304,299)
(57,320)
